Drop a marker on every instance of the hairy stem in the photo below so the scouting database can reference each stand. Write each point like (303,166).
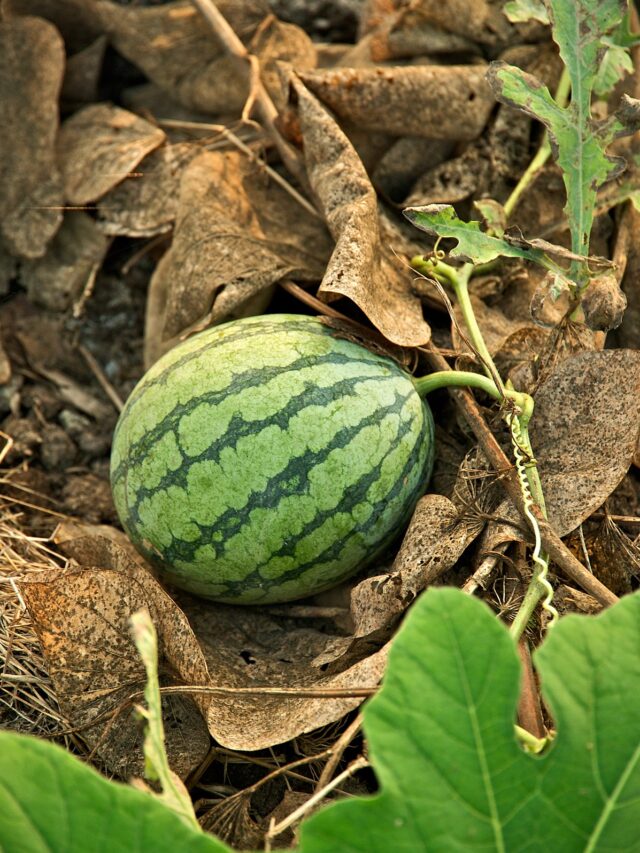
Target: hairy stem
(457,379)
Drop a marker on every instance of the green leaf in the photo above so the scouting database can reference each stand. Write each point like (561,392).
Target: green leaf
(615,64)
(442,740)
(174,794)
(581,29)
(52,803)
(474,244)
(519,11)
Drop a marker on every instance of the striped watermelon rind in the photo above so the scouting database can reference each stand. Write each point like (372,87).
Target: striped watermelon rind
(268,459)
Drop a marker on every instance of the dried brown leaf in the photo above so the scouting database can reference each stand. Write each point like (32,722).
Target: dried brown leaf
(82,74)
(31,69)
(360,266)
(55,280)
(77,20)
(431,26)
(237,233)
(219,645)
(146,203)
(434,101)
(604,303)
(436,538)
(101,145)
(245,647)
(584,432)
(628,335)
(82,621)
(176,48)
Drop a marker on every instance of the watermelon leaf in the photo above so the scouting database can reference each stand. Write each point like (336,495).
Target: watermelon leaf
(442,741)
(50,802)
(441,738)
(583,30)
(475,244)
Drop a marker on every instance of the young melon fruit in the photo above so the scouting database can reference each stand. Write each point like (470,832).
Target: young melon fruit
(268,459)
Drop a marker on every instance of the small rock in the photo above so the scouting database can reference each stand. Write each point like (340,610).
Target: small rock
(58,451)
(603,303)
(26,438)
(89,497)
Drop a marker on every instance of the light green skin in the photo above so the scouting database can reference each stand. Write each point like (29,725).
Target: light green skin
(268,459)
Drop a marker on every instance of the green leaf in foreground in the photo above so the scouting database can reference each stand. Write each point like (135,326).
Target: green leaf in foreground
(442,740)
(441,735)
(52,803)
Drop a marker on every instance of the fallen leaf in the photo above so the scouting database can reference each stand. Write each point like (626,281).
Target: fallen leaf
(31,69)
(237,232)
(584,432)
(82,74)
(245,647)
(177,49)
(146,204)
(77,249)
(76,20)
(81,617)
(436,538)
(99,146)
(435,101)
(429,26)
(360,267)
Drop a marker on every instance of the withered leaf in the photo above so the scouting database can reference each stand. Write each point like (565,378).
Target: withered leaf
(237,232)
(419,27)
(99,146)
(176,48)
(81,618)
(77,20)
(219,645)
(31,69)
(56,279)
(436,538)
(82,73)
(245,647)
(147,203)
(360,266)
(434,101)
(584,432)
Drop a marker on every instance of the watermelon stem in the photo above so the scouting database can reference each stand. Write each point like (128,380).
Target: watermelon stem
(458,379)
(517,412)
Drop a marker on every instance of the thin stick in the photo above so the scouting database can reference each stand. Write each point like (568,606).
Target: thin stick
(99,373)
(556,548)
(300,812)
(337,751)
(87,290)
(266,108)
(241,146)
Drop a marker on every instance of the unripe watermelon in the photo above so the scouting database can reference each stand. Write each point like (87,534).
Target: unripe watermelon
(268,459)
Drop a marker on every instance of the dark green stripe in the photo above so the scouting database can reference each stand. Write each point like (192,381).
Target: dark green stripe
(292,480)
(252,378)
(353,496)
(244,332)
(239,428)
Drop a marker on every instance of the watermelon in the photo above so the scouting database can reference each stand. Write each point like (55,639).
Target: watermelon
(268,459)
